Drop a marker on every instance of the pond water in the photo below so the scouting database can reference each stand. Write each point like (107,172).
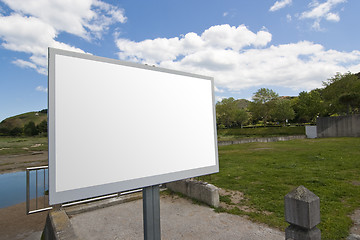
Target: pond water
(13,187)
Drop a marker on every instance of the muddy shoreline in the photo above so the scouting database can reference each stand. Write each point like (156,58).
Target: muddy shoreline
(15,224)
(19,162)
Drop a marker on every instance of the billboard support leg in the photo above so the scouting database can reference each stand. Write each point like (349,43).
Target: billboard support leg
(151,213)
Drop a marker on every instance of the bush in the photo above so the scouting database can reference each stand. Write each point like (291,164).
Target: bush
(16,131)
(30,129)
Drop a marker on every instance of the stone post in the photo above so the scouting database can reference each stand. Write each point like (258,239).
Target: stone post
(302,211)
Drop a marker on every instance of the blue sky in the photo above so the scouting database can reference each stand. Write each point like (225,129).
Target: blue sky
(286,45)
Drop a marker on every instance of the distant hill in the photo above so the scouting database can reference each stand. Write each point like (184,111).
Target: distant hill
(22,119)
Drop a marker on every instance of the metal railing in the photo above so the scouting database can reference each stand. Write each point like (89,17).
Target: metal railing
(45,182)
(42,170)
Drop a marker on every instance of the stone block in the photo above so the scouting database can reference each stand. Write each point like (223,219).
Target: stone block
(302,208)
(58,226)
(203,192)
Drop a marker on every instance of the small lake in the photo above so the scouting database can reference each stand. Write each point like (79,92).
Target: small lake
(13,187)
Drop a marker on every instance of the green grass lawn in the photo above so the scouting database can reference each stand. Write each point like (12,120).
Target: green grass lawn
(22,145)
(266,172)
(237,133)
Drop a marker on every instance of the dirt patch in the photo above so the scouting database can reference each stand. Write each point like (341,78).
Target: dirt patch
(235,199)
(355,183)
(235,196)
(14,163)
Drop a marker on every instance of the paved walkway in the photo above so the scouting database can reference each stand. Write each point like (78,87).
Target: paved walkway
(180,219)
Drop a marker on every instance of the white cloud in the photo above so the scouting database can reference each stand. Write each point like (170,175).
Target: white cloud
(34,25)
(238,58)
(288,18)
(222,37)
(30,35)
(26,64)
(321,11)
(333,17)
(218,90)
(219,98)
(41,89)
(230,13)
(84,18)
(279,5)
(316,25)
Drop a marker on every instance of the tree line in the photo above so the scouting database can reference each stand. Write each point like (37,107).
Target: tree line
(340,95)
(29,129)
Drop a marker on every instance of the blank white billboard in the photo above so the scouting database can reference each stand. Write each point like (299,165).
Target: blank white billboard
(116,126)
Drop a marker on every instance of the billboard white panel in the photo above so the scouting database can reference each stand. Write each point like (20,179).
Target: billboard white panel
(116,126)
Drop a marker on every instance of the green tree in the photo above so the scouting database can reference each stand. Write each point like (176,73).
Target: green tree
(308,106)
(241,117)
(42,128)
(341,94)
(16,131)
(263,104)
(4,131)
(264,95)
(351,101)
(283,110)
(30,129)
(229,114)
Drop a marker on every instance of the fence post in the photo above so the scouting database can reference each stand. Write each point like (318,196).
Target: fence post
(302,211)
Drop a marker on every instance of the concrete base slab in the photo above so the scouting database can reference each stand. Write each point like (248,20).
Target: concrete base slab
(180,219)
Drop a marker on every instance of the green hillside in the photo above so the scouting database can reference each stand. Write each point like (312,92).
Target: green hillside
(22,119)
(19,121)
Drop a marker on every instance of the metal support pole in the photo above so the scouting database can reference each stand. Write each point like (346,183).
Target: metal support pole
(36,188)
(27,191)
(44,189)
(151,213)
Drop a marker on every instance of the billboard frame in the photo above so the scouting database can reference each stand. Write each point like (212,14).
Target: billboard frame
(57,197)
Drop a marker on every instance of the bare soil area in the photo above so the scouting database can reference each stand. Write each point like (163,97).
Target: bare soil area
(19,162)
(15,224)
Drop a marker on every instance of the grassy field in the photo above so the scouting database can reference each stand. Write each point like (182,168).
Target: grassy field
(266,172)
(22,145)
(237,133)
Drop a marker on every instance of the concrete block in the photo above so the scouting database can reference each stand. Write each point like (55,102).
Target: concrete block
(294,232)
(58,226)
(203,192)
(311,131)
(302,208)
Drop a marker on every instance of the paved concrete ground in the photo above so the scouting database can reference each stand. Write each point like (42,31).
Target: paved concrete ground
(180,219)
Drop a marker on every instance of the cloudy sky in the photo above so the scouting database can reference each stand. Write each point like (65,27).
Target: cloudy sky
(286,45)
